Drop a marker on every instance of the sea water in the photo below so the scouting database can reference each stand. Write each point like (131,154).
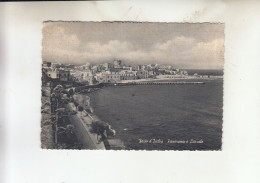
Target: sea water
(164,117)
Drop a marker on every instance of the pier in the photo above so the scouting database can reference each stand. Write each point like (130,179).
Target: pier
(157,83)
(100,85)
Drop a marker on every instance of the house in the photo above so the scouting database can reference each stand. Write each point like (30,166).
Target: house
(142,74)
(83,76)
(118,64)
(101,77)
(60,74)
(108,66)
(113,77)
(128,75)
(127,68)
(46,64)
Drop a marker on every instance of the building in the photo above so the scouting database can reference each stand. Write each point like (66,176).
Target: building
(60,74)
(142,74)
(128,76)
(151,73)
(168,76)
(101,77)
(108,66)
(113,77)
(54,65)
(152,66)
(64,75)
(101,68)
(183,72)
(127,68)
(94,68)
(108,77)
(52,73)
(46,64)
(173,72)
(86,66)
(139,67)
(83,76)
(87,76)
(70,66)
(144,67)
(118,64)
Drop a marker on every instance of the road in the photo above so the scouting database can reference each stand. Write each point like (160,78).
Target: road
(82,129)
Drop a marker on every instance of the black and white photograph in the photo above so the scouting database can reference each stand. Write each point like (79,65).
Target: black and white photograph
(130,91)
(132,85)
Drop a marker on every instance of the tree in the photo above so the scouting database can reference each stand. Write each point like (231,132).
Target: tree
(70,92)
(58,88)
(98,128)
(60,110)
(69,130)
(102,129)
(80,108)
(57,93)
(95,81)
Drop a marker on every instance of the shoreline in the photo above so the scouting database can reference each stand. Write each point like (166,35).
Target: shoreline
(192,80)
(171,79)
(83,98)
(83,130)
(110,142)
(134,128)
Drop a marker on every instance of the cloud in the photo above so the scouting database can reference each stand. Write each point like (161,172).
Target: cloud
(182,52)
(112,48)
(179,43)
(58,39)
(208,54)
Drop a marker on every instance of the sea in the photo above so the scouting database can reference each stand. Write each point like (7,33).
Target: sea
(163,117)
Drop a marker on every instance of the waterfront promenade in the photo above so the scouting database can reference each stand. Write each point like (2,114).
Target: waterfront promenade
(160,83)
(90,117)
(82,123)
(187,80)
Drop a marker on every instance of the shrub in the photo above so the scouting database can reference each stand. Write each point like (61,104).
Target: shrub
(45,110)
(80,108)
(76,103)
(97,128)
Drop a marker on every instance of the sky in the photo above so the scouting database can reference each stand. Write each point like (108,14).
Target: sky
(182,45)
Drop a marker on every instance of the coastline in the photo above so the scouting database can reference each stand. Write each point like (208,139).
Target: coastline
(84,99)
(83,130)
(187,80)
(110,142)
(172,79)
(117,124)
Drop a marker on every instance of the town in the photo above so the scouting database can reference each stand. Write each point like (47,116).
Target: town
(68,120)
(105,87)
(115,72)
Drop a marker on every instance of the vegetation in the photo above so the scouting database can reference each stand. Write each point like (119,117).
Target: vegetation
(102,129)
(80,109)
(57,131)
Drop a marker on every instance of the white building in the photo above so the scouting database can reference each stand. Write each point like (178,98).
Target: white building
(83,76)
(108,77)
(128,68)
(142,74)
(61,74)
(113,77)
(168,76)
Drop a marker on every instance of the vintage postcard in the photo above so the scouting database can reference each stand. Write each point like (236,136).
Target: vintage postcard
(132,85)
